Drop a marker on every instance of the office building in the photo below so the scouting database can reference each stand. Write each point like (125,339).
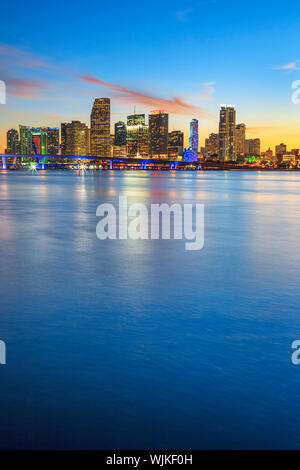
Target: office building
(227,124)
(74,139)
(158,134)
(100,128)
(175,144)
(240,137)
(12,142)
(137,136)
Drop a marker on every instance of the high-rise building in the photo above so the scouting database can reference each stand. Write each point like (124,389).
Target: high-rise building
(137,136)
(100,128)
(175,144)
(240,137)
(74,138)
(191,153)
(194,138)
(39,140)
(25,140)
(280,149)
(227,134)
(158,134)
(252,147)
(12,142)
(211,145)
(52,140)
(120,133)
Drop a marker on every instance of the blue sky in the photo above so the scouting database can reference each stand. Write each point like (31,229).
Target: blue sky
(205,53)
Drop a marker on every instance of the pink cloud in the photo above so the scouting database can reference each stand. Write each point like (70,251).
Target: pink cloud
(289,66)
(174,105)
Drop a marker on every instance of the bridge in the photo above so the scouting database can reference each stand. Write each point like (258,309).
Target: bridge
(108,162)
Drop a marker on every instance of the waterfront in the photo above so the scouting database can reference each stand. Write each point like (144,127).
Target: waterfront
(141,344)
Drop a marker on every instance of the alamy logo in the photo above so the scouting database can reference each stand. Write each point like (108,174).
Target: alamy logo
(296,353)
(2,353)
(152,224)
(296,93)
(2,92)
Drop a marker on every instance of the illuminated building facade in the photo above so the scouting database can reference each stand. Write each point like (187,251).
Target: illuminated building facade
(175,144)
(39,140)
(252,147)
(158,134)
(52,140)
(120,133)
(240,137)
(137,136)
(25,140)
(74,139)
(100,128)
(227,125)
(119,151)
(191,153)
(12,142)
(280,149)
(194,138)
(211,145)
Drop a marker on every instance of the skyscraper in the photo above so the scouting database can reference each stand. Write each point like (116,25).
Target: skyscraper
(158,134)
(191,153)
(12,142)
(120,133)
(137,137)
(25,140)
(175,144)
(240,136)
(194,139)
(39,140)
(100,128)
(52,140)
(252,147)
(280,149)
(211,145)
(74,137)
(227,134)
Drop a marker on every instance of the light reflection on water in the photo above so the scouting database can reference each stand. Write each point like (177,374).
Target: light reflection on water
(141,344)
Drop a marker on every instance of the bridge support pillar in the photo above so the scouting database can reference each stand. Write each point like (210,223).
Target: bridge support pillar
(175,166)
(78,164)
(43,163)
(110,164)
(4,167)
(171,166)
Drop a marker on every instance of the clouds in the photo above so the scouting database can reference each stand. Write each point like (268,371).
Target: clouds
(289,67)
(27,77)
(19,57)
(174,105)
(14,62)
(23,88)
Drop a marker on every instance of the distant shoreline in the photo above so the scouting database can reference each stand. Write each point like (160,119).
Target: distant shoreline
(192,170)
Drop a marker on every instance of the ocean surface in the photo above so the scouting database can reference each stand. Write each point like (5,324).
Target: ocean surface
(131,344)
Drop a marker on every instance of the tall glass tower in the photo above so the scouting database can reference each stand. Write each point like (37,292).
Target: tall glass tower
(158,134)
(227,131)
(191,153)
(194,138)
(100,128)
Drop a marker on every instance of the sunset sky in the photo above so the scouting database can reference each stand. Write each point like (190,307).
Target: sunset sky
(57,57)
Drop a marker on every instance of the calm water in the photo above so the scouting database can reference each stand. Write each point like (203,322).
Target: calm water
(141,344)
